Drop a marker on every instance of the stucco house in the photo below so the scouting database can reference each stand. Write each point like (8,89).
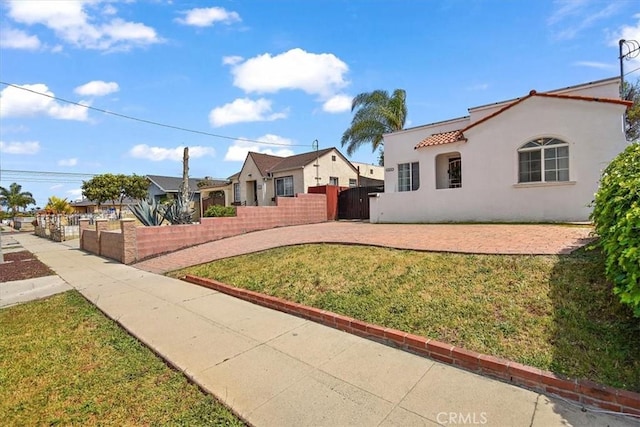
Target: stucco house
(264,177)
(161,187)
(534,158)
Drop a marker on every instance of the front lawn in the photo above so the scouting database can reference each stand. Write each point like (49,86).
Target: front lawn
(554,312)
(63,362)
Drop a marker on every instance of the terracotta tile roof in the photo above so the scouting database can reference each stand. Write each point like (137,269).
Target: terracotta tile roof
(441,138)
(448,137)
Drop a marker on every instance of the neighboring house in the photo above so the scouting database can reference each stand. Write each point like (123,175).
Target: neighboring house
(168,187)
(370,172)
(264,177)
(86,206)
(535,158)
(217,192)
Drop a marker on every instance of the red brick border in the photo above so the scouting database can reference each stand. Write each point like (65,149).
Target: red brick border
(582,391)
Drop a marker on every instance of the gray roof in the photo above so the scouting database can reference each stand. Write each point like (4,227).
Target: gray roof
(170,184)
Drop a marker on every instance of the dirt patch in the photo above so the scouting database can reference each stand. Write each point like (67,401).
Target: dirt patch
(22,265)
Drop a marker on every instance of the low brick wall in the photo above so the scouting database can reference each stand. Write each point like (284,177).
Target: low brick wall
(582,391)
(137,243)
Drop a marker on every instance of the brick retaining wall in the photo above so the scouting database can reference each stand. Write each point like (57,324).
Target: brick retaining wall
(132,244)
(583,391)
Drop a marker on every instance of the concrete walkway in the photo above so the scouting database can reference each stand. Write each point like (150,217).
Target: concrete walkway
(274,369)
(538,239)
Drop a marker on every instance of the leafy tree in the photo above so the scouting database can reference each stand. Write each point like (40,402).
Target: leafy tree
(631,92)
(14,198)
(376,113)
(616,216)
(57,205)
(114,188)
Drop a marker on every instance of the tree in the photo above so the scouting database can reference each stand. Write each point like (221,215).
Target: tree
(114,188)
(631,92)
(14,198)
(57,205)
(376,113)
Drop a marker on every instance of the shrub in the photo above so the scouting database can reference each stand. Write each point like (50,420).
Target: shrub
(616,216)
(216,210)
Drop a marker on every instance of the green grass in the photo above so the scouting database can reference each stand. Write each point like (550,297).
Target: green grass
(64,362)
(554,312)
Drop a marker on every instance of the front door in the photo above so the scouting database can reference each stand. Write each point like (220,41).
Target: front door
(252,193)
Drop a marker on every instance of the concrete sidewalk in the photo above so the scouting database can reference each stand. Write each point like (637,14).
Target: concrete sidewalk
(274,369)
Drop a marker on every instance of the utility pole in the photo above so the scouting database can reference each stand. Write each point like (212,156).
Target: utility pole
(314,145)
(633,49)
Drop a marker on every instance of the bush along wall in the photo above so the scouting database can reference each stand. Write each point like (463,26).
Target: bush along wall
(217,211)
(616,216)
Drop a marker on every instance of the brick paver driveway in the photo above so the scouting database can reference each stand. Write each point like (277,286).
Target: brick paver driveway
(463,238)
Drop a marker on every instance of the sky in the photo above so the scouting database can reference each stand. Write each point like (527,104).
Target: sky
(231,76)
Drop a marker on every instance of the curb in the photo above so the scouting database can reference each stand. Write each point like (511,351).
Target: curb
(582,391)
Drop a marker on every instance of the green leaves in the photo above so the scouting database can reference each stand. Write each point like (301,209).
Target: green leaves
(110,187)
(376,113)
(14,198)
(616,216)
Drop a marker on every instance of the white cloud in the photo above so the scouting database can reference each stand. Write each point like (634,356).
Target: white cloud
(68,162)
(628,32)
(83,23)
(231,60)
(13,147)
(97,88)
(75,194)
(238,151)
(316,74)
(206,17)
(11,38)
(15,102)
(479,86)
(244,110)
(571,17)
(338,104)
(158,154)
(592,64)
(56,186)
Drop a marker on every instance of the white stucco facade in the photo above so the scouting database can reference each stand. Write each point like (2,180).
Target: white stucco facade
(586,117)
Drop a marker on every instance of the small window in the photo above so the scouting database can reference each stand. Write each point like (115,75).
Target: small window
(543,160)
(333,180)
(284,186)
(371,171)
(408,176)
(236,192)
(353,182)
(333,158)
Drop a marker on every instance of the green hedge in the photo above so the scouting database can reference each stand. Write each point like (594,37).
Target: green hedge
(220,211)
(616,216)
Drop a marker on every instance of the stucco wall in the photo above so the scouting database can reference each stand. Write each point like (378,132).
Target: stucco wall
(490,189)
(328,168)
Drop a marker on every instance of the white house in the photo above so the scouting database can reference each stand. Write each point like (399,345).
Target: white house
(263,176)
(535,158)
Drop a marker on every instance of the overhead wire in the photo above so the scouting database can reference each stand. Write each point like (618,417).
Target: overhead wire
(152,122)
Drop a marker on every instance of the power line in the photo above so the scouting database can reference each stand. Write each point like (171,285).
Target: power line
(44,176)
(151,122)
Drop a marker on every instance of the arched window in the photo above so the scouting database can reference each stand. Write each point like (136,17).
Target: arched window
(543,160)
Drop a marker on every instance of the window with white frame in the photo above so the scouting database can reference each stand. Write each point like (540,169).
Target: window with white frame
(353,182)
(284,186)
(543,160)
(236,192)
(408,176)
(333,180)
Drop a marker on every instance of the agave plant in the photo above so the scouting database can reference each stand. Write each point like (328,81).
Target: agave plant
(178,213)
(149,212)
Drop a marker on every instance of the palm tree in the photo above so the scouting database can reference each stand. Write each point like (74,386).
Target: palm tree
(57,205)
(377,113)
(14,198)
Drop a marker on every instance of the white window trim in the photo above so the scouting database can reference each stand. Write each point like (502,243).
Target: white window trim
(410,189)
(541,148)
(275,184)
